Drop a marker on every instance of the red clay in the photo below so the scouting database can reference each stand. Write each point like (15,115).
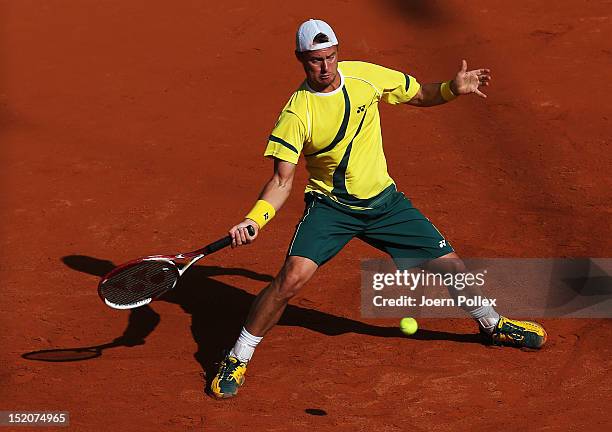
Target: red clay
(131,128)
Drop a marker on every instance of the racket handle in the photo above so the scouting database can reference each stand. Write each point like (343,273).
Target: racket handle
(225,242)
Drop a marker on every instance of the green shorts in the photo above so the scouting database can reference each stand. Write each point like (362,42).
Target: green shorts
(393,225)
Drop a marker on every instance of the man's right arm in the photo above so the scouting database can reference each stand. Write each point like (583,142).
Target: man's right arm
(275,192)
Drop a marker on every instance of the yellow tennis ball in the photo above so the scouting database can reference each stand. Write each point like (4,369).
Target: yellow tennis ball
(409,326)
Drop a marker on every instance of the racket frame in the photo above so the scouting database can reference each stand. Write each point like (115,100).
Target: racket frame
(194,255)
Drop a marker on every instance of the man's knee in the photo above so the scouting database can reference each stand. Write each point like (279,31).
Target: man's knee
(293,276)
(450,263)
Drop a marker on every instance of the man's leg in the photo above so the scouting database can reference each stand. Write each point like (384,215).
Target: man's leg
(265,312)
(320,235)
(486,317)
(494,327)
(271,302)
(412,240)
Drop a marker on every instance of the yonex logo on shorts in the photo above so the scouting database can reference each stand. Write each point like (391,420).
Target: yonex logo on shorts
(442,243)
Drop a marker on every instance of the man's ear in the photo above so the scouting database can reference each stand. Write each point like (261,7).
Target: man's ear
(298,55)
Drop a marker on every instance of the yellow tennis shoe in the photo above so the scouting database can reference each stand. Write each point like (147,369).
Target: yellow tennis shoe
(229,378)
(518,334)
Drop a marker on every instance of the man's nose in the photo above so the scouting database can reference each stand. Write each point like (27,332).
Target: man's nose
(324,66)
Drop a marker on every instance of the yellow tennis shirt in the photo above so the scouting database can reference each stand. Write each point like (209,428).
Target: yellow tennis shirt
(339,132)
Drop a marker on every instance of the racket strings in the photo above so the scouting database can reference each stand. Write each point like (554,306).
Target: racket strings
(141,281)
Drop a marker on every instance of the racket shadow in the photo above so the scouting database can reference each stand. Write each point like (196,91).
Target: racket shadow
(141,323)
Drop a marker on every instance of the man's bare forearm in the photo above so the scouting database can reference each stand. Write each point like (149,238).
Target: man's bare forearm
(278,188)
(272,197)
(276,191)
(429,95)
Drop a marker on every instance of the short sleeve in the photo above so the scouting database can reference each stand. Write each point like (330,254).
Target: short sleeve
(287,138)
(394,87)
(397,87)
(404,88)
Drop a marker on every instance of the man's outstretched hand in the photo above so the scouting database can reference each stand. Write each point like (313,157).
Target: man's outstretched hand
(467,82)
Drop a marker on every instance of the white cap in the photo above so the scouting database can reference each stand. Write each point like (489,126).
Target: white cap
(304,38)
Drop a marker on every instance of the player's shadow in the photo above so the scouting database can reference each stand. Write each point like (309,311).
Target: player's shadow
(218,311)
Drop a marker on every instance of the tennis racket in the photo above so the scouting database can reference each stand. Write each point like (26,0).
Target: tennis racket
(138,282)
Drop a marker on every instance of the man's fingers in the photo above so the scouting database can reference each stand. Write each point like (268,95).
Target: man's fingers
(250,237)
(232,233)
(479,74)
(247,237)
(479,93)
(238,237)
(241,236)
(463,66)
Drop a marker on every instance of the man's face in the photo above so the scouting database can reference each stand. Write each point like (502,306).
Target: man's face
(321,67)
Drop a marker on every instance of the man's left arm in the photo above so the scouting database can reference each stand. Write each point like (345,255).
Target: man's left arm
(465,82)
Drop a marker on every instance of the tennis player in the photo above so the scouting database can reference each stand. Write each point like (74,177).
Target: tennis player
(333,120)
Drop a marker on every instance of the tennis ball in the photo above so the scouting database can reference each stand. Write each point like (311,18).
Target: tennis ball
(408,326)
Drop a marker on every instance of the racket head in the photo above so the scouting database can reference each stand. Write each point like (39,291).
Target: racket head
(139,282)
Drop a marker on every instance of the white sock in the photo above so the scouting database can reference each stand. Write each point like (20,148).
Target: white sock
(245,346)
(486,316)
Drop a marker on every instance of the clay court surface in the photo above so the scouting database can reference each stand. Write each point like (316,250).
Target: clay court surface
(132,127)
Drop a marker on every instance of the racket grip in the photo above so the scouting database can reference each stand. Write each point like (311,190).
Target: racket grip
(226,241)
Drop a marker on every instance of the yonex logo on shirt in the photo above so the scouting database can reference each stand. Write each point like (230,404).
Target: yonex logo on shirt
(360,109)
